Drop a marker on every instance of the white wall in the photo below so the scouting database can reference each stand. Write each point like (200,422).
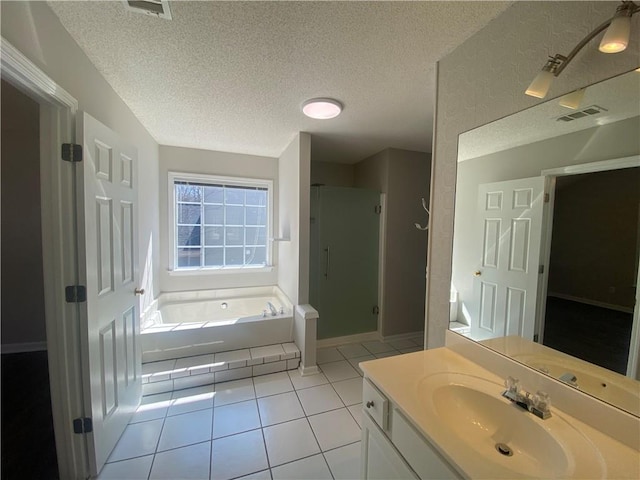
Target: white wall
(332,174)
(34,29)
(190,160)
(23,317)
(483,80)
(294,204)
(615,140)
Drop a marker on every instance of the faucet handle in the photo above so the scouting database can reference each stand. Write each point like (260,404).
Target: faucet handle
(512,384)
(541,401)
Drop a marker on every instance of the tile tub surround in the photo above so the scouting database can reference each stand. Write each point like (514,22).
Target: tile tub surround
(187,372)
(280,425)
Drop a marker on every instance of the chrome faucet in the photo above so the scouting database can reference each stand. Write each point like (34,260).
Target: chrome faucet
(537,404)
(570,379)
(273,309)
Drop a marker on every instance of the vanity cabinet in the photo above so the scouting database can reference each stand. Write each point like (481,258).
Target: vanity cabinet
(391,447)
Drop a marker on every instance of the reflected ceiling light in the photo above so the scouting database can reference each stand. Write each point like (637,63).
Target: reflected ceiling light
(573,100)
(322,108)
(615,40)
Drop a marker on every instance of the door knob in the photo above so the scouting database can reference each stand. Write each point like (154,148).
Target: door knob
(477,273)
(139,291)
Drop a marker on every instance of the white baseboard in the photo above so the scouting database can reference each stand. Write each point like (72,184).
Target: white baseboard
(357,338)
(587,301)
(305,371)
(23,347)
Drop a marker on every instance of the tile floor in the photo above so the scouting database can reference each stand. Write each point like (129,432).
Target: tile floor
(277,426)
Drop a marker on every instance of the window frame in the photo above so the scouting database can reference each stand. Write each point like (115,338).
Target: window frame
(174,177)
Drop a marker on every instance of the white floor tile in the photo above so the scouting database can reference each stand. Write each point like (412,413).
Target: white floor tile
(411,349)
(336,371)
(319,399)
(290,441)
(267,351)
(137,440)
(398,344)
(355,361)
(391,353)
(192,462)
(279,408)
(344,462)
(418,341)
(326,355)
(235,418)
(152,407)
(307,381)
(350,391)
(263,475)
(134,469)
(185,429)
(197,364)
(272,384)
(377,347)
(238,455)
(353,350)
(356,413)
(235,391)
(335,429)
(191,399)
(311,468)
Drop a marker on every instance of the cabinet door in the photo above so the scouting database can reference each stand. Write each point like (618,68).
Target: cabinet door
(380,460)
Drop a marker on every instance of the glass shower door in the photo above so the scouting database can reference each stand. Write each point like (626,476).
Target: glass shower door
(344,259)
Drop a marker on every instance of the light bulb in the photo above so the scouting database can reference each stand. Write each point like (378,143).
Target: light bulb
(616,38)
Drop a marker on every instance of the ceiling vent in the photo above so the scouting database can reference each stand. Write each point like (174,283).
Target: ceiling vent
(585,112)
(156,8)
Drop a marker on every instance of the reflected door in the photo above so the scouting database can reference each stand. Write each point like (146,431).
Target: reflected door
(343,283)
(110,338)
(508,241)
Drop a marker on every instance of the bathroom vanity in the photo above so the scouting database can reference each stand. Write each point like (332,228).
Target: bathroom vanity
(438,414)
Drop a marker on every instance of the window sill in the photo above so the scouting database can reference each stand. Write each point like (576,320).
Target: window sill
(221,271)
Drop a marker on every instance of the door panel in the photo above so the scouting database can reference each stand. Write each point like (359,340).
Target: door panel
(509,238)
(107,224)
(344,263)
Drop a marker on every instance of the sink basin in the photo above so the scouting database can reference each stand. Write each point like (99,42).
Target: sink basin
(470,415)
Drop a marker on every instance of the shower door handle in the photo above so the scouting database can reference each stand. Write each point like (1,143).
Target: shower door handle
(326,265)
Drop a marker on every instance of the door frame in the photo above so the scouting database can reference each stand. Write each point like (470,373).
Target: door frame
(547,229)
(59,251)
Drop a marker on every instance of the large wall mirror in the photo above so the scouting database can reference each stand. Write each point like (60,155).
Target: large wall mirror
(546,251)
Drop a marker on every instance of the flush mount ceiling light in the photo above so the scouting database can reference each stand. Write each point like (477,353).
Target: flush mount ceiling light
(615,40)
(322,108)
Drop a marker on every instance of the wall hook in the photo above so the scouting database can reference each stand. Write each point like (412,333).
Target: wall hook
(426,227)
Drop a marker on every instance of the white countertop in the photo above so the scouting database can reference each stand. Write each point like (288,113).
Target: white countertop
(400,377)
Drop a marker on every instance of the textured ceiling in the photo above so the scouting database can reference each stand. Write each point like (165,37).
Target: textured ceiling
(231,76)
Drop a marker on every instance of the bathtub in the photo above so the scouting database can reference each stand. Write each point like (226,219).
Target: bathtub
(195,323)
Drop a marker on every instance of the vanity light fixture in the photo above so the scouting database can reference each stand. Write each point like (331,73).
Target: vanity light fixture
(322,108)
(572,100)
(615,40)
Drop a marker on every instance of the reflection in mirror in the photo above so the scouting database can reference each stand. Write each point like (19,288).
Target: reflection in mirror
(546,251)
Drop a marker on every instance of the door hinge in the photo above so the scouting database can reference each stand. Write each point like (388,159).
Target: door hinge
(75,294)
(71,152)
(82,425)
(541,269)
(546,198)
(378,209)
(376,310)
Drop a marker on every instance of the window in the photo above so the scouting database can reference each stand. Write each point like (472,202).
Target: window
(220,222)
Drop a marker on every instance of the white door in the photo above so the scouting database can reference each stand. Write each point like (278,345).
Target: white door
(107,201)
(509,234)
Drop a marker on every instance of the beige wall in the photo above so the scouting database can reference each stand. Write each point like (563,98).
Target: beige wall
(332,174)
(191,160)
(23,318)
(34,29)
(404,177)
(603,210)
(483,80)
